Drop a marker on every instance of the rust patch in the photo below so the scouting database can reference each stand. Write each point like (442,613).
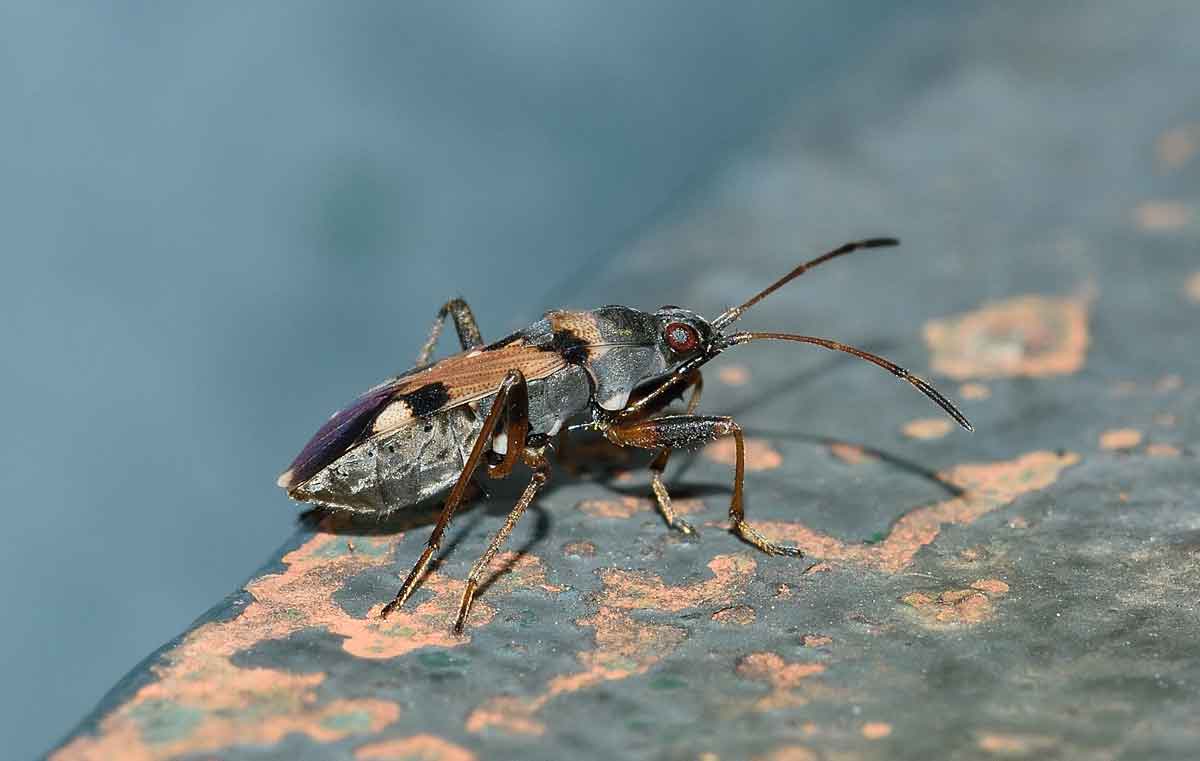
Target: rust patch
(876,730)
(579,549)
(851,454)
(760,455)
(625,646)
(815,640)
(953,607)
(1192,288)
(1015,745)
(926,428)
(783,678)
(789,753)
(416,748)
(627,507)
(974,391)
(1177,146)
(1119,439)
(737,615)
(734,375)
(1163,450)
(642,589)
(1162,216)
(994,587)
(1029,336)
(986,487)
(183,713)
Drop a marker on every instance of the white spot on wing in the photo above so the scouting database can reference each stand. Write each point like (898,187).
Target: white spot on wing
(500,443)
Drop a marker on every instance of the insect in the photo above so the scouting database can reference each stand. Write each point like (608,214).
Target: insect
(615,367)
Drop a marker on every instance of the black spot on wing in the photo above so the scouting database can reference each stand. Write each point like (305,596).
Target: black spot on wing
(339,434)
(569,346)
(427,399)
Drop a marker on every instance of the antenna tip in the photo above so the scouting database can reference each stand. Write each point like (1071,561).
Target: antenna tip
(879,242)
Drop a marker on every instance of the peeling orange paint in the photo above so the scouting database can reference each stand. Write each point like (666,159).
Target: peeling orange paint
(994,587)
(579,549)
(815,640)
(1163,450)
(734,375)
(1120,439)
(926,428)
(1192,288)
(642,589)
(1028,336)
(876,730)
(783,677)
(953,607)
(974,391)
(1015,745)
(625,646)
(1162,216)
(627,507)
(186,714)
(851,454)
(737,615)
(416,748)
(1177,146)
(986,487)
(760,455)
(790,753)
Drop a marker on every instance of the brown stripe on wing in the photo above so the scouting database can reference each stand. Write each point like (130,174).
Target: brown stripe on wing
(463,378)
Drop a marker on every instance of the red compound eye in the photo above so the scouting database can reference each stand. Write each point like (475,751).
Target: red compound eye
(681,337)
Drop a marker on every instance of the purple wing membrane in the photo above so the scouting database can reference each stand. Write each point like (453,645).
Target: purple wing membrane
(339,433)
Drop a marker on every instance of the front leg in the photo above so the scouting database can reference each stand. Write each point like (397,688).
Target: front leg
(689,432)
(638,410)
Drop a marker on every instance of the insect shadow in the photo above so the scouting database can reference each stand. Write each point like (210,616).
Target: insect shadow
(484,503)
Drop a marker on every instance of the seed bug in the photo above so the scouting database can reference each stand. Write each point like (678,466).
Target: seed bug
(432,427)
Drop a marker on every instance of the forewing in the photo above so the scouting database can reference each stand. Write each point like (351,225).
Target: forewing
(339,433)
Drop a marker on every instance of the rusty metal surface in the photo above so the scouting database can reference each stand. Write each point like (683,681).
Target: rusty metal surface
(1029,591)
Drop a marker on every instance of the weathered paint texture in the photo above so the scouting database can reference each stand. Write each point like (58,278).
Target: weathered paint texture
(1027,336)
(1027,591)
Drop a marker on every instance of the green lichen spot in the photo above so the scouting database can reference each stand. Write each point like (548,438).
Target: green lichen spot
(667,682)
(162,721)
(876,538)
(440,659)
(353,722)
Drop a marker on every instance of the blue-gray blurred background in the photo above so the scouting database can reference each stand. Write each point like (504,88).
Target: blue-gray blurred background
(222,220)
